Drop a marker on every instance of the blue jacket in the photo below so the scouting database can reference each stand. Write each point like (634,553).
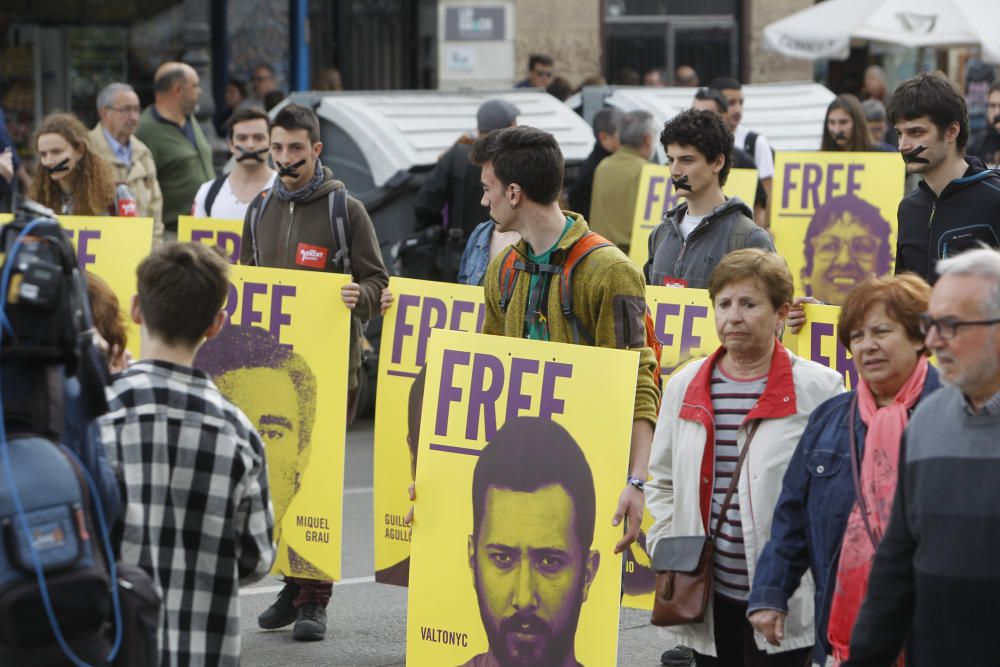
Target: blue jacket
(817,497)
(476,257)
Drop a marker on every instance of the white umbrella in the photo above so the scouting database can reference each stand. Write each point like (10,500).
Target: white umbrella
(825,31)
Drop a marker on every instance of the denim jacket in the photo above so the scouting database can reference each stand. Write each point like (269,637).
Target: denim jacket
(476,257)
(817,497)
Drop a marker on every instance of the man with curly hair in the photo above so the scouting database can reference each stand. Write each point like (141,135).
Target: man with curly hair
(695,235)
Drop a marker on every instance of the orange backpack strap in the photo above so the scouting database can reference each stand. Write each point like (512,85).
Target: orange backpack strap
(585,245)
(507,278)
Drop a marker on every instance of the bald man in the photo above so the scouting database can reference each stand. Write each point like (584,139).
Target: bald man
(182,155)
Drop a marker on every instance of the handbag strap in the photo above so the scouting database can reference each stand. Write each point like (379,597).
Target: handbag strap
(856,471)
(751,432)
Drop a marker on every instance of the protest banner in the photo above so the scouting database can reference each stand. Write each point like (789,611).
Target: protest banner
(818,341)
(420,307)
(111,248)
(833,216)
(226,234)
(282,358)
(656,196)
(523,449)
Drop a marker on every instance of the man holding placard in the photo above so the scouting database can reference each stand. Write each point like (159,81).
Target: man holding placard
(957,204)
(694,236)
(605,306)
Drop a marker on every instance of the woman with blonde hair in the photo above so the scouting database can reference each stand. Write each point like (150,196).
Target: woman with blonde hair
(72,180)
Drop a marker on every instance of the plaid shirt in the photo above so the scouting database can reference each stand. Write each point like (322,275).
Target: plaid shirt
(199,516)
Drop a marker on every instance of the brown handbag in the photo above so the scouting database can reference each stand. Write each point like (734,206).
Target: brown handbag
(683,565)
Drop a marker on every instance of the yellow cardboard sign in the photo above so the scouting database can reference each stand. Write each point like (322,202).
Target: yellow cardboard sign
(818,341)
(282,358)
(421,306)
(111,248)
(833,216)
(557,419)
(226,234)
(656,196)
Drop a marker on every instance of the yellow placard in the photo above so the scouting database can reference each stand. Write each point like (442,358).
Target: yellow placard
(833,216)
(282,358)
(656,196)
(420,307)
(818,341)
(557,419)
(111,248)
(226,234)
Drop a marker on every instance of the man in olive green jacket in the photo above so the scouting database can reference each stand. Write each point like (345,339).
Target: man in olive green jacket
(130,159)
(182,154)
(522,169)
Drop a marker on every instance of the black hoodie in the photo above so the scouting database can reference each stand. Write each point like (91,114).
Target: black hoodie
(935,227)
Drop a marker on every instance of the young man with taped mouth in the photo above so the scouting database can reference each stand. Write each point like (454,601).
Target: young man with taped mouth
(695,235)
(308,222)
(957,204)
(229,195)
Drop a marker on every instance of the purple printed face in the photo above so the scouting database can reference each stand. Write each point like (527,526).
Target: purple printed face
(846,243)
(531,575)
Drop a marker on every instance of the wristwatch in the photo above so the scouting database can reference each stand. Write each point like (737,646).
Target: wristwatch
(637,483)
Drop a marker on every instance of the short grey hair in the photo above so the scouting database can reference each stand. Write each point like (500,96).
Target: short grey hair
(983,262)
(635,127)
(874,109)
(106,98)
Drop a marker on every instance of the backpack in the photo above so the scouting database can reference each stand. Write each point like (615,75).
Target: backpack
(340,224)
(213,192)
(750,144)
(513,264)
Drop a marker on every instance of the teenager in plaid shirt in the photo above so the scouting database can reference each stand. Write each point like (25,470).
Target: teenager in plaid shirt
(199,516)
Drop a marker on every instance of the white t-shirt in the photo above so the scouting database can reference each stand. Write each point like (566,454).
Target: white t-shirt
(226,205)
(761,151)
(688,223)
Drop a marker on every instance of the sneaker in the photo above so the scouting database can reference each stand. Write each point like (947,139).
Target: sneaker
(310,622)
(281,613)
(678,656)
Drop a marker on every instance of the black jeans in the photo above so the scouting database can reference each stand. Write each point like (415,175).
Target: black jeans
(735,645)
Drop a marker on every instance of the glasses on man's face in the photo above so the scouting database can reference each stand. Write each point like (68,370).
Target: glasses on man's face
(949,327)
(257,78)
(859,247)
(544,73)
(127,110)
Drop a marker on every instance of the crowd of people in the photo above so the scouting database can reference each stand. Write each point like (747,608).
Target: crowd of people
(838,532)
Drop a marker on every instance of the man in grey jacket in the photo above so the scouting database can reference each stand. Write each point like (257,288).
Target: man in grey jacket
(694,236)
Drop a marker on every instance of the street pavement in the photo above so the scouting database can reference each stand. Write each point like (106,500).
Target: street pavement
(367,621)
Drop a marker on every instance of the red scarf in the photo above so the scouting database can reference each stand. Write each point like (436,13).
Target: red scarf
(879,471)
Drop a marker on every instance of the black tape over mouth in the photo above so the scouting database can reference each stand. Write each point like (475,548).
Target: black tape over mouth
(840,136)
(996,119)
(257,156)
(291,169)
(681,183)
(913,156)
(62,166)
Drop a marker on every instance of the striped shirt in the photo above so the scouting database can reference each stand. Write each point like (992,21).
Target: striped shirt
(732,400)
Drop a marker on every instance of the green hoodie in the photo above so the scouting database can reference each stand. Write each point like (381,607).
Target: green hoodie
(609,299)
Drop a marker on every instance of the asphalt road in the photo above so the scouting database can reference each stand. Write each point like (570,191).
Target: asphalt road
(367,621)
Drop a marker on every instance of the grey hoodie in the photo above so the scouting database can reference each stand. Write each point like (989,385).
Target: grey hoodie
(729,227)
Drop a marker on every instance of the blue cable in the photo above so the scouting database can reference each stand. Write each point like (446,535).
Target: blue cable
(22,517)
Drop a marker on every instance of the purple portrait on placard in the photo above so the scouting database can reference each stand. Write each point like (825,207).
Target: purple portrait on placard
(533,511)
(847,241)
(276,389)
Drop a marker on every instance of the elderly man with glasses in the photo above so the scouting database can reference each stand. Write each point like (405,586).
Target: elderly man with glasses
(934,586)
(132,161)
